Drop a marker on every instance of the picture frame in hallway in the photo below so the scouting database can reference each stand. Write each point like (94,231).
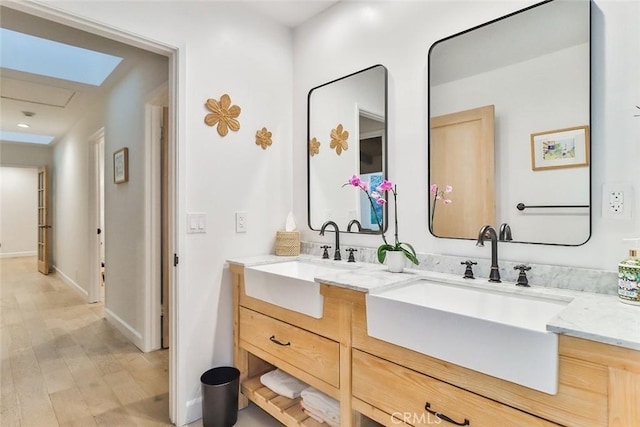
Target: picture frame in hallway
(560,148)
(121,165)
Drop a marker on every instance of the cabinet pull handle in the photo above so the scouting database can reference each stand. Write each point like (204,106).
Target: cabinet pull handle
(277,341)
(444,417)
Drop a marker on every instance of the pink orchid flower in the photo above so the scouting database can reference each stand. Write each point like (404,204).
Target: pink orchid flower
(447,201)
(375,195)
(385,186)
(381,201)
(448,189)
(434,189)
(355,181)
(364,185)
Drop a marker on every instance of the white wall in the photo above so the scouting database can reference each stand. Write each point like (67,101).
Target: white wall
(354,35)
(121,113)
(125,247)
(18,211)
(31,155)
(12,154)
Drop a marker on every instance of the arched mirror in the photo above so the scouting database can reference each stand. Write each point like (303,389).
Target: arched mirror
(346,136)
(509,112)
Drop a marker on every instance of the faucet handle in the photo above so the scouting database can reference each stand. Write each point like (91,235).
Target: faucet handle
(351,257)
(468,272)
(325,253)
(522,277)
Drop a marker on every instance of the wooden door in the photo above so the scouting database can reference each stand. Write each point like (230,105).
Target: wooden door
(461,154)
(43,220)
(164,201)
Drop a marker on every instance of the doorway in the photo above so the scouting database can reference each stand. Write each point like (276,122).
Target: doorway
(43,220)
(97,258)
(51,14)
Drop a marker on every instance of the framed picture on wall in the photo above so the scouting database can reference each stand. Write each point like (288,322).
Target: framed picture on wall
(561,148)
(121,166)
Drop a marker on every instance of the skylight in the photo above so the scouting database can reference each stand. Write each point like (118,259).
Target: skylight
(22,52)
(30,138)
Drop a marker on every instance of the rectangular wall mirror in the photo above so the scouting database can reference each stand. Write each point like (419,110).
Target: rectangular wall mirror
(509,111)
(346,135)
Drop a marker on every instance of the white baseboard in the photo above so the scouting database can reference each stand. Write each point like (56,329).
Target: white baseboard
(69,281)
(125,329)
(194,410)
(18,254)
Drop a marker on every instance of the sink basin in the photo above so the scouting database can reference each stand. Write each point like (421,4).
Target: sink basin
(290,284)
(498,333)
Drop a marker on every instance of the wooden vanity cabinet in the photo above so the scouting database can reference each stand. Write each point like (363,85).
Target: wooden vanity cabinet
(599,385)
(316,351)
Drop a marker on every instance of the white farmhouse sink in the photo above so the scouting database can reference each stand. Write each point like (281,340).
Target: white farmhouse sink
(290,284)
(498,333)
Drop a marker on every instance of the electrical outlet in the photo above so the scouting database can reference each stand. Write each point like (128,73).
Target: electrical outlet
(616,197)
(241,222)
(616,201)
(616,208)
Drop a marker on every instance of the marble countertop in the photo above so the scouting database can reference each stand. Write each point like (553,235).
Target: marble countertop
(597,317)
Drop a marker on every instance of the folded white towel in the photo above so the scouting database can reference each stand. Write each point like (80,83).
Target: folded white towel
(282,383)
(311,414)
(321,405)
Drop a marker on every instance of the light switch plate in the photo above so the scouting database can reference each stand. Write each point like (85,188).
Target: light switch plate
(196,222)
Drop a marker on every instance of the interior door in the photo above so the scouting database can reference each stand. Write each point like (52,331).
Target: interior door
(462,155)
(43,220)
(164,198)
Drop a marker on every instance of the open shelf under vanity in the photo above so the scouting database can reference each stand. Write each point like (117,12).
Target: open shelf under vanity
(285,410)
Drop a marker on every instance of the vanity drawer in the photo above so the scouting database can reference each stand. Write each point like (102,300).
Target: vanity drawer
(316,355)
(404,393)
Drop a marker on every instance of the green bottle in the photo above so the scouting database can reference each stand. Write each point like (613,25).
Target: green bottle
(629,277)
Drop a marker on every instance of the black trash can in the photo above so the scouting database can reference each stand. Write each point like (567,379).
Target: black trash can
(220,396)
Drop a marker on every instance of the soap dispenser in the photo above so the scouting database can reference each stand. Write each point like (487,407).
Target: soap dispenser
(629,276)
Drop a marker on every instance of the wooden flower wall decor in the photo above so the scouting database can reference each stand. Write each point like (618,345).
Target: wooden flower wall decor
(223,114)
(263,138)
(314,146)
(339,139)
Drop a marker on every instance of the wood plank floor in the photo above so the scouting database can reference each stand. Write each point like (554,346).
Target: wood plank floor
(63,365)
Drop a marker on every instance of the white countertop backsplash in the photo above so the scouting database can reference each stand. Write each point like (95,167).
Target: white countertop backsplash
(594,313)
(553,276)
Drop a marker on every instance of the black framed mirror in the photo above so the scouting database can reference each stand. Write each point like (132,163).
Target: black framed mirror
(509,119)
(346,136)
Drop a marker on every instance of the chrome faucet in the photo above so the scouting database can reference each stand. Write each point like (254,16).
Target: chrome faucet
(505,232)
(488,231)
(356,223)
(336,255)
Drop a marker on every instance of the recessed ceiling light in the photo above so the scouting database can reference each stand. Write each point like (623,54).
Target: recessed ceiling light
(30,138)
(30,54)
(23,125)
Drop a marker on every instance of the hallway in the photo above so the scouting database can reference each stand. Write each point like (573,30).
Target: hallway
(62,364)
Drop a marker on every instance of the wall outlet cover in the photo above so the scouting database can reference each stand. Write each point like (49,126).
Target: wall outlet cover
(617,200)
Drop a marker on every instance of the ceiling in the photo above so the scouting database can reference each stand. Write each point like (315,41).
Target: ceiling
(290,13)
(58,104)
